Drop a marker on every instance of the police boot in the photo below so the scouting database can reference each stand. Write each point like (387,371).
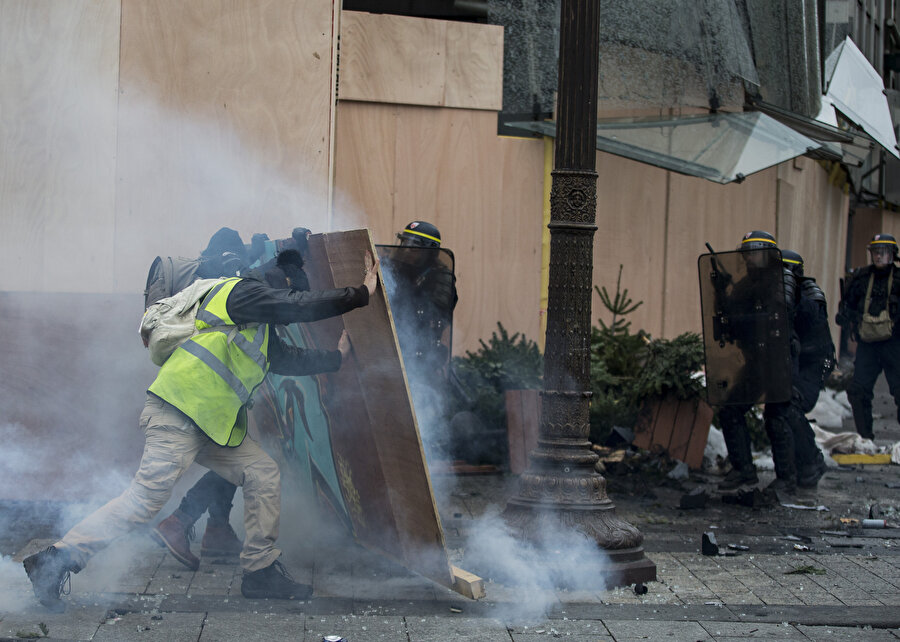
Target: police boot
(808,475)
(273,582)
(862,414)
(220,540)
(782,455)
(175,533)
(737,442)
(48,571)
(810,463)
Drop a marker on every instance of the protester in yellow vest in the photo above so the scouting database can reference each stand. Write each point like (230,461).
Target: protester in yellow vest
(196,411)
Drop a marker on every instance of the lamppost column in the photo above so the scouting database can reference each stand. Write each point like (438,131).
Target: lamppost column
(561,486)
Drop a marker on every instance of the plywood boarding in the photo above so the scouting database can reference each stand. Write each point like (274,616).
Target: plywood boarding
(812,220)
(631,231)
(420,61)
(678,427)
(374,436)
(58,71)
(866,223)
(482,191)
(701,211)
(224,119)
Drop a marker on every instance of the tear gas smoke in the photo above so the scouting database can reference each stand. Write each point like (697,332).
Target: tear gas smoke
(73,389)
(559,558)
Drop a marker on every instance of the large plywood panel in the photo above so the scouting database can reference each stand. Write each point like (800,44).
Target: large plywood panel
(485,195)
(700,211)
(812,220)
(374,437)
(419,61)
(58,94)
(631,232)
(483,192)
(474,58)
(224,119)
(365,136)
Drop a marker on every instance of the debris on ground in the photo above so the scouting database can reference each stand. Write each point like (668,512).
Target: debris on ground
(820,507)
(708,544)
(806,570)
(697,498)
(680,472)
(751,498)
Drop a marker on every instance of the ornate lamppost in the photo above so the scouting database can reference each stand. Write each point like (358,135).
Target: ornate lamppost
(560,486)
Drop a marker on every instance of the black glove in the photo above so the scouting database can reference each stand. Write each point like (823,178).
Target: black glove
(256,247)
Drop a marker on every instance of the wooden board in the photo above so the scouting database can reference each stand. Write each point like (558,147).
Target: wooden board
(420,61)
(59,72)
(396,164)
(366,458)
(678,427)
(225,113)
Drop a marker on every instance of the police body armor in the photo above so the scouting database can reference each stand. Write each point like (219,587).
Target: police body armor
(746,326)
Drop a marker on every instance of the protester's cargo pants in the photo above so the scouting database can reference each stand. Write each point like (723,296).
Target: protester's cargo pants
(173,442)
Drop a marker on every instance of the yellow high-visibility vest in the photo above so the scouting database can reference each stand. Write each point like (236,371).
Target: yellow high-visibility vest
(212,375)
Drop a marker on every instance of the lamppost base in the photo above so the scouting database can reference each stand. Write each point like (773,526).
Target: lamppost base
(623,561)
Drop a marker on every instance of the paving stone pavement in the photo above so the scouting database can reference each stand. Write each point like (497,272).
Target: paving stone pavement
(842,589)
(136,591)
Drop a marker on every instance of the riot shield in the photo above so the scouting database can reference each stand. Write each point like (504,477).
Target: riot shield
(421,288)
(746,329)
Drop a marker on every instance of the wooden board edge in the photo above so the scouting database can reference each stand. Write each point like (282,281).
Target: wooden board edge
(467,584)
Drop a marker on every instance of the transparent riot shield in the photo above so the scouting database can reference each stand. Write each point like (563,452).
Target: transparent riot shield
(421,290)
(420,285)
(746,329)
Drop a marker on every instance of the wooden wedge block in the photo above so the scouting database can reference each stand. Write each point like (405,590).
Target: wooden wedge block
(467,584)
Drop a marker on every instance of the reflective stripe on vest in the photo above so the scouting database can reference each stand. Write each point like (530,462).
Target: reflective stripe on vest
(211,376)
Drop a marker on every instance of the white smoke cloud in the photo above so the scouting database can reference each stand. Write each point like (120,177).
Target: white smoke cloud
(559,558)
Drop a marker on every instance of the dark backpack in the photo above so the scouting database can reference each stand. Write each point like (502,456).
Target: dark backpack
(168,276)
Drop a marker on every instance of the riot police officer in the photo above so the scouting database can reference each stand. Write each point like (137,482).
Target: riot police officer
(732,417)
(423,294)
(812,360)
(870,308)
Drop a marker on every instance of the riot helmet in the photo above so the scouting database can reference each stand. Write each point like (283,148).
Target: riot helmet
(224,255)
(792,261)
(883,250)
(757,240)
(420,234)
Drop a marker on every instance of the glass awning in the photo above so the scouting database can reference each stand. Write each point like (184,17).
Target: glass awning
(857,91)
(721,147)
(846,144)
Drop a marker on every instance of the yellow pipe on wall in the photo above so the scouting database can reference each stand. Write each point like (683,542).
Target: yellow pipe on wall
(545,239)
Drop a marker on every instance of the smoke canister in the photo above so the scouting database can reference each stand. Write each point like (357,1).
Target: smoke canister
(873,523)
(334,638)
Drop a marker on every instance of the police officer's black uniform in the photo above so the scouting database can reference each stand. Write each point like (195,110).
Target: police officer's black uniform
(873,357)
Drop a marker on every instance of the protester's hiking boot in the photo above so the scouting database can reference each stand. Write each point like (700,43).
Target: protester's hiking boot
(273,582)
(809,476)
(220,541)
(48,571)
(739,478)
(174,532)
